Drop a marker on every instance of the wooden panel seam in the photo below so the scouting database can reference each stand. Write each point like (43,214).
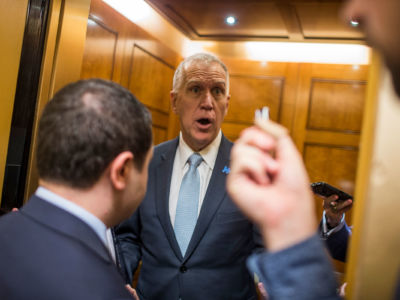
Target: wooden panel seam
(343,147)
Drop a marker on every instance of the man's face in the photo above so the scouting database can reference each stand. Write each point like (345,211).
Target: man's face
(201,103)
(380,19)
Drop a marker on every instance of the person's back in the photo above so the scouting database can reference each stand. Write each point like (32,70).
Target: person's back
(94,147)
(44,259)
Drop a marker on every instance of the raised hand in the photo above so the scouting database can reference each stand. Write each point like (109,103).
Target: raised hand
(269,183)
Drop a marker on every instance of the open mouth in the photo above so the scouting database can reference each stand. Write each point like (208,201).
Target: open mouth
(204,121)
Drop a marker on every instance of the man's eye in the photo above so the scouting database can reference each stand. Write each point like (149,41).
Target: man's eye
(218,91)
(195,89)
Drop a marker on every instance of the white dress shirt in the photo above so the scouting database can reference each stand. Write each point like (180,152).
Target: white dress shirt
(110,244)
(181,166)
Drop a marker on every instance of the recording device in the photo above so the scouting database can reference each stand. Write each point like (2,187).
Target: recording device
(325,189)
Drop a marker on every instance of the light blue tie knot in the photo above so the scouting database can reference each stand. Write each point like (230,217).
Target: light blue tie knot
(195,160)
(188,203)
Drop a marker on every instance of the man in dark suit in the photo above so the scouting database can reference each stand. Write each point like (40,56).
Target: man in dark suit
(296,266)
(94,147)
(333,227)
(191,252)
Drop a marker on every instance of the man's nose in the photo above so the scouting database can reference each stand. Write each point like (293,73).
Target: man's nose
(207,100)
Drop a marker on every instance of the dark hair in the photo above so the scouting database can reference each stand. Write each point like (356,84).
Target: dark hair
(85,126)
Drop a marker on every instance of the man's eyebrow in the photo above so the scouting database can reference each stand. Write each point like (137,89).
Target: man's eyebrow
(194,82)
(200,82)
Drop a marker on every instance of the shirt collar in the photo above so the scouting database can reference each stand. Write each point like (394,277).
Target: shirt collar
(209,153)
(95,223)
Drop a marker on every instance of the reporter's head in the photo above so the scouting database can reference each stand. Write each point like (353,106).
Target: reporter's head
(85,126)
(380,20)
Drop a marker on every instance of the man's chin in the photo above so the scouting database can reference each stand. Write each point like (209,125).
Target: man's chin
(203,140)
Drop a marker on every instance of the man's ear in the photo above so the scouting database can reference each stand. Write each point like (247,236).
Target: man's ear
(120,169)
(227,104)
(173,97)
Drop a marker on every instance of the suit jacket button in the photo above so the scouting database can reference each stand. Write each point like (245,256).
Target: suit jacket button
(183,269)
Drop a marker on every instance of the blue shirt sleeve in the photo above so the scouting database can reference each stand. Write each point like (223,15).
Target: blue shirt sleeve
(302,271)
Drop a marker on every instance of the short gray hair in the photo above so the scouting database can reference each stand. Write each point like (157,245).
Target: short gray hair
(199,57)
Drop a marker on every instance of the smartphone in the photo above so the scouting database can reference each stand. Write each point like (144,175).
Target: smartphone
(325,189)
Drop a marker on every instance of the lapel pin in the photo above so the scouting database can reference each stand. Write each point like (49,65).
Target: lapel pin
(226,170)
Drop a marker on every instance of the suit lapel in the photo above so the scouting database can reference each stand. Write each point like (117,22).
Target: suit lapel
(66,224)
(163,174)
(215,194)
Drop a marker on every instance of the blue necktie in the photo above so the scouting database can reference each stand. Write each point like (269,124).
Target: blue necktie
(188,202)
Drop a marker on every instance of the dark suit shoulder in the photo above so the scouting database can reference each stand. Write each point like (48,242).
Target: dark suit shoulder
(165,146)
(226,143)
(163,151)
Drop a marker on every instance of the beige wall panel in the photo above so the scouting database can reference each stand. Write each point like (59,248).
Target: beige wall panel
(249,93)
(150,80)
(12,26)
(374,256)
(336,105)
(99,54)
(363,174)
